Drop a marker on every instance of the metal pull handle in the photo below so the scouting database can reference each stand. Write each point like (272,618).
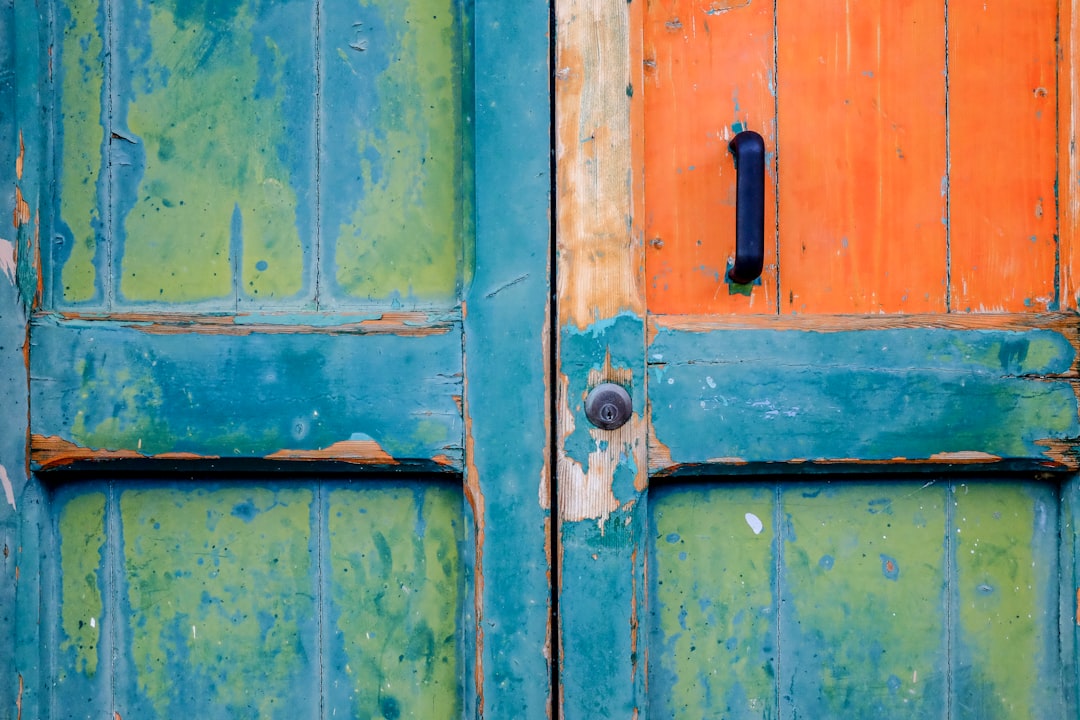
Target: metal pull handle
(749,150)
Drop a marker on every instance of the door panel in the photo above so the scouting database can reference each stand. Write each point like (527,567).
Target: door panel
(929,598)
(250,263)
(194,598)
(890,171)
(881,352)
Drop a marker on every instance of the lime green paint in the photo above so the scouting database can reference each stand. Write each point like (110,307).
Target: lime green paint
(128,420)
(404,235)
(714,602)
(82,539)
(862,578)
(81,134)
(211,160)
(220,591)
(1004,587)
(395,586)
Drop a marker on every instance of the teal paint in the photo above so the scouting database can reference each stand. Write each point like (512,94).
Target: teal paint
(506,347)
(247,395)
(774,396)
(602,574)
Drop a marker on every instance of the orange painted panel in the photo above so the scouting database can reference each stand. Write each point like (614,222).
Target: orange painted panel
(1003,155)
(862,163)
(708,73)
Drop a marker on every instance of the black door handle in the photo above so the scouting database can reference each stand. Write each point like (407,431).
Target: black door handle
(749,150)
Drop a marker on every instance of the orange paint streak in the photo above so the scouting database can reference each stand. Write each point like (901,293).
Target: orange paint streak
(474,494)
(407,324)
(707,73)
(1003,148)
(861,148)
(21,213)
(353,451)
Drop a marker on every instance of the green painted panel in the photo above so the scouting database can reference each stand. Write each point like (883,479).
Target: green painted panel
(222,613)
(907,599)
(259,599)
(82,563)
(80,89)
(712,610)
(863,616)
(1005,541)
(395,601)
(212,142)
(393,149)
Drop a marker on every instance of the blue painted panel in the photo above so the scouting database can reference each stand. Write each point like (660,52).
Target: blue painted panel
(873,395)
(111,387)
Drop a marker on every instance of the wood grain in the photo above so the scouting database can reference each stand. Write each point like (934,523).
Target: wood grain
(861,124)
(1003,156)
(700,89)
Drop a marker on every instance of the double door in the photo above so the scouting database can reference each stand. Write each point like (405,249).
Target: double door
(299,344)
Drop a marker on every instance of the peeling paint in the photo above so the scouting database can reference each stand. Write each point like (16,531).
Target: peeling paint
(9,492)
(7,260)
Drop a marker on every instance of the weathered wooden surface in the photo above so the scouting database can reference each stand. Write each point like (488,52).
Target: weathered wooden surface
(802,394)
(821,599)
(601,474)
(239,155)
(308,599)
(700,89)
(887,196)
(1004,220)
(262,232)
(507,361)
(149,390)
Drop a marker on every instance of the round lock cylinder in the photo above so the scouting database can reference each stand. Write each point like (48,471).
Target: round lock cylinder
(608,406)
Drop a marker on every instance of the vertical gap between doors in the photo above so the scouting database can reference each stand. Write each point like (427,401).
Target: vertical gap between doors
(552,371)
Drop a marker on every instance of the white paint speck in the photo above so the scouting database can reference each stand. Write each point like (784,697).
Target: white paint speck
(192,632)
(7,259)
(9,492)
(709,381)
(755,523)
(93,622)
(671,381)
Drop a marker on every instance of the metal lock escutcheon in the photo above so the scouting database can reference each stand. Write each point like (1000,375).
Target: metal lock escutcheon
(608,406)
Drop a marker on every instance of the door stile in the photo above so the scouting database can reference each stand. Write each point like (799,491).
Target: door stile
(600,328)
(506,330)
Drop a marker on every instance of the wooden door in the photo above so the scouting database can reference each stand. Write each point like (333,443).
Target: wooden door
(273,339)
(848,488)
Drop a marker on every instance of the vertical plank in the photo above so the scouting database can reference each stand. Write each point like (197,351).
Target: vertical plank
(712,602)
(709,73)
(1005,542)
(210,135)
(1003,203)
(77,264)
(862,613)
(392,147)
(394,601)
(861,138)
(507,340)
(218,618)
(601,474)
(1068,173)
(83,655)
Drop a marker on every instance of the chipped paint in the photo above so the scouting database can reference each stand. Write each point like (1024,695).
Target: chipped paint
(357,451)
